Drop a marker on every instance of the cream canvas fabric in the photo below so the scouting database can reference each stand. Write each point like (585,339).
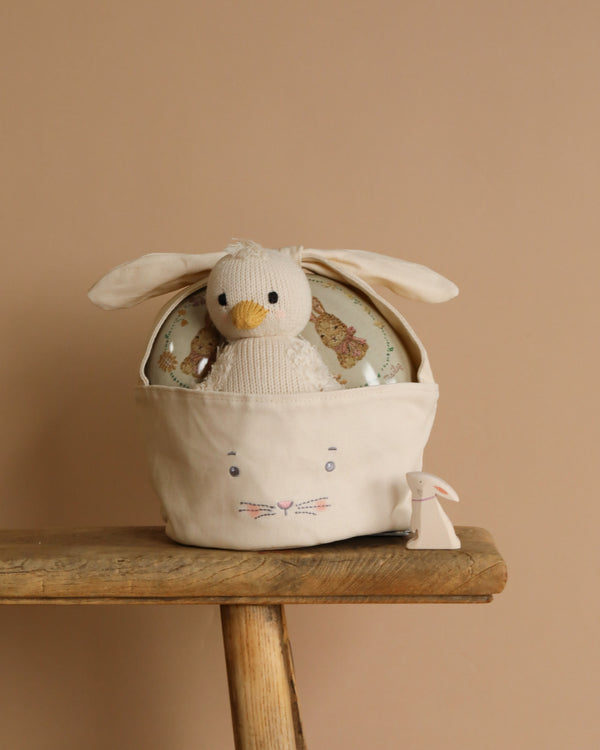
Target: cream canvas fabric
(254,471)
(159,273)
(258,472)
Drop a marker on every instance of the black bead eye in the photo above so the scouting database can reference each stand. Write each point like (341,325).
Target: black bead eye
(273,297)
(222,299)
(234,471)
(329,466)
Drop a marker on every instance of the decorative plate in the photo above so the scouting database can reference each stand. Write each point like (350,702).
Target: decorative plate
(355,341)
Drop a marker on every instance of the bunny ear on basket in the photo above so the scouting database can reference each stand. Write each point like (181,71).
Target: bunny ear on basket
(159,273)
(409,280)
(149,276)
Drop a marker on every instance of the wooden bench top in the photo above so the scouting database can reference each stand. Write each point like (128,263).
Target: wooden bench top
(140,565)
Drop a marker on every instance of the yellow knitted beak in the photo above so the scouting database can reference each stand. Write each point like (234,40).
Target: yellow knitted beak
(246,315)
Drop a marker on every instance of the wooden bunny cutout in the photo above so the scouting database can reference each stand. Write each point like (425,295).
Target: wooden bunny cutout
(432,526)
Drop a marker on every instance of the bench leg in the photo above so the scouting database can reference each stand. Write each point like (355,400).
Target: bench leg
(262,687)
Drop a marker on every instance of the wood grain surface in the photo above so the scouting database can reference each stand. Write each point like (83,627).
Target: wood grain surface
(119,565)
(262,688)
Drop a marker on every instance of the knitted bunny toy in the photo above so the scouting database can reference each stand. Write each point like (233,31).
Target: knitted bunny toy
(260,301)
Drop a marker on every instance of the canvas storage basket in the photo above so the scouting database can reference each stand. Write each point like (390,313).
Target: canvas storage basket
(258,472)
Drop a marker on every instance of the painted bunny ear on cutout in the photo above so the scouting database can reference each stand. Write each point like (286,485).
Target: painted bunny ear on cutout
(410,280)
(149,276)
(432,485)
(444,491)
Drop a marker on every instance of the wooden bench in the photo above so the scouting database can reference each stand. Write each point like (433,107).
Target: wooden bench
(140,565)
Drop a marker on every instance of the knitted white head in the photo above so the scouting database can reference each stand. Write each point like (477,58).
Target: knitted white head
(254,292)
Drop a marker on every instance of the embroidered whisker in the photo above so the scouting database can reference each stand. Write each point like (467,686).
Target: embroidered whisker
(310,502)
(257,510)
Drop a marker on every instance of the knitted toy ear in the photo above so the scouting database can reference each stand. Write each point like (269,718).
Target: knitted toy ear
(409,280)
(294,252)
(149,276)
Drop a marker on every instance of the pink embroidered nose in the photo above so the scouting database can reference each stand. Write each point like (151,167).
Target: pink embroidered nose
(285,505)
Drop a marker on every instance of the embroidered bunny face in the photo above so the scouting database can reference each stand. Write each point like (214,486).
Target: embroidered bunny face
(257,508)
(254,292)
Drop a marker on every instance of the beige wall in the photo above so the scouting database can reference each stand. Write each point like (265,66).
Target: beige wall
(463,135)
